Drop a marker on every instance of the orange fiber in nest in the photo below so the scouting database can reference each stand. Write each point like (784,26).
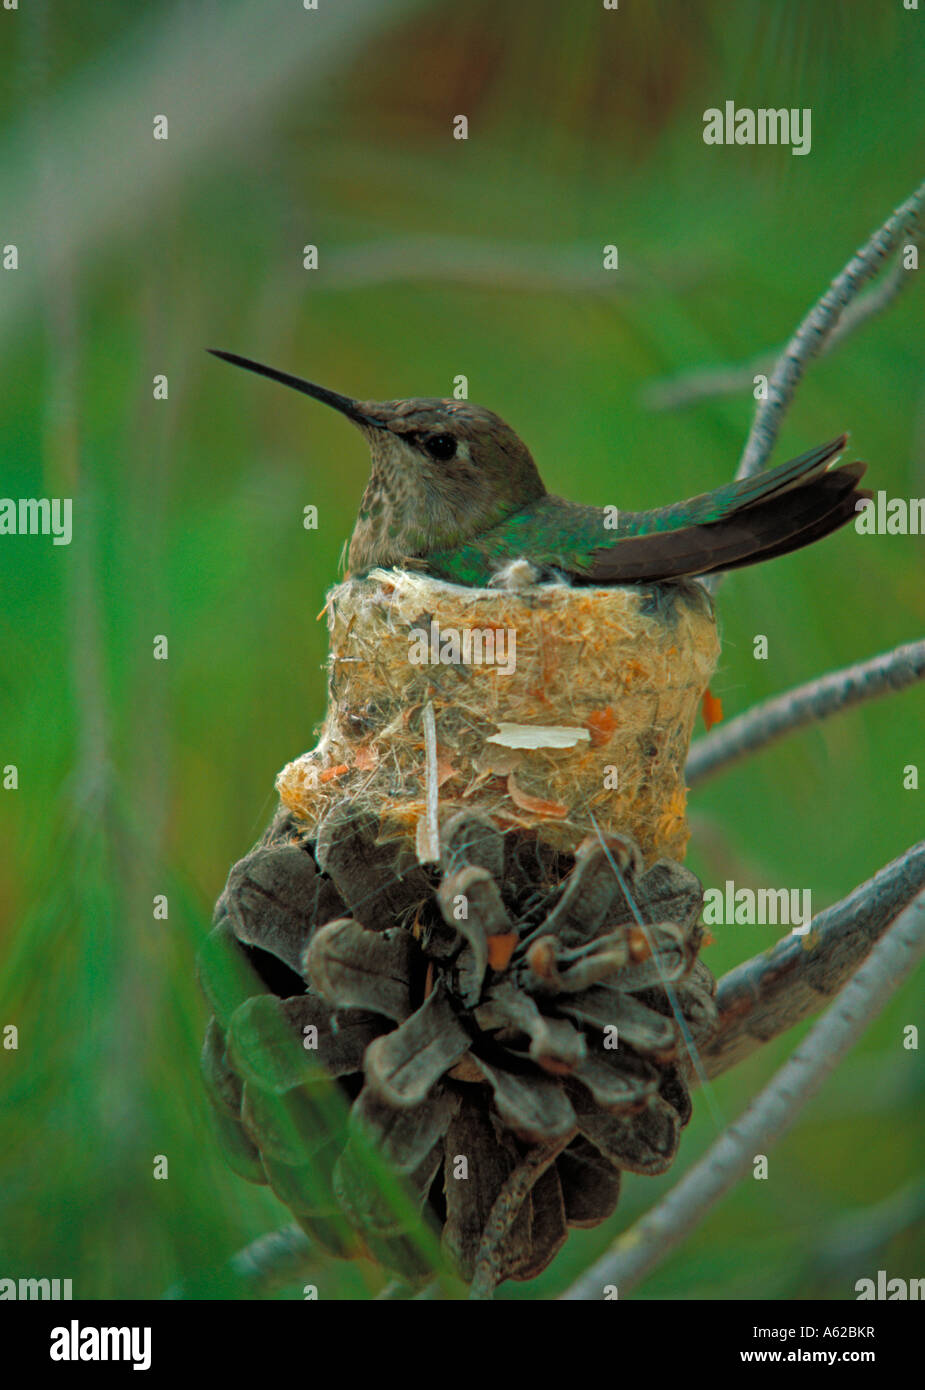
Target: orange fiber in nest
(554,707)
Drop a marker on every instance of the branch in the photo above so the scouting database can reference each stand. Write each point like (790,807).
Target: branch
(774,991)
(707,383)
(467,260)
(279,1257)
(181,62)
(769,1116)
(829,694)
(861,1234)
(816,330)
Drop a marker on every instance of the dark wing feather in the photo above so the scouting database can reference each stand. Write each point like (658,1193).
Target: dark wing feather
(774,525)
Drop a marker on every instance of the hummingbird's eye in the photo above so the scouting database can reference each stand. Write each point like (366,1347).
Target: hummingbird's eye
(441,447)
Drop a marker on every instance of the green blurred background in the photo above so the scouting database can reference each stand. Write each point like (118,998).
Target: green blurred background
(437,257)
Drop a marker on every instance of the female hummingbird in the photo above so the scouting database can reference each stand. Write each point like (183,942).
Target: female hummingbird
(454,492)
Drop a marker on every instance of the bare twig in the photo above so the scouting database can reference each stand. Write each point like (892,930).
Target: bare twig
(706,383)
(504,1213)
(815,332)
(806,704)
(769,1116)
(468,260)
(774,991)
(277,1258)
(184,64)
(860,1234)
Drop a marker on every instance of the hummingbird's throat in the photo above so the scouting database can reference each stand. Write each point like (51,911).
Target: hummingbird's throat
(391,523)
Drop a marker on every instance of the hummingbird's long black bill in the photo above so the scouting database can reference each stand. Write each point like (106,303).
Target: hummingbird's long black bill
(345,404)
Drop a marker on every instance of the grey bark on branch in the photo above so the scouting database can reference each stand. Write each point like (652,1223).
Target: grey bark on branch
(774,991)
(806,704)
(767,1119)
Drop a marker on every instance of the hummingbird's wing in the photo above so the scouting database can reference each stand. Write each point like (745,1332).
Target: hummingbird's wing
(768,514)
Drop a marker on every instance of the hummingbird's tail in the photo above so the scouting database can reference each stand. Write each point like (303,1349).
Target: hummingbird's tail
(742,523)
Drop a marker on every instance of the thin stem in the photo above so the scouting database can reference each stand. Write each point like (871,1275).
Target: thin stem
(469,260)
(862,1233)
(279,1257)
(708,383)
(806,704)
(774,991)
(767,1119)
(816,330)
(837,312)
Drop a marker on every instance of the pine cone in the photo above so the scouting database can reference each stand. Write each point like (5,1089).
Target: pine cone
(509,1001)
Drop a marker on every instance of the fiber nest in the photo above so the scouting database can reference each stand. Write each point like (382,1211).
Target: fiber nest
(466,940)
(558,708)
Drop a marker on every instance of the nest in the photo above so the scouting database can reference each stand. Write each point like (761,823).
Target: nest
(522,977)
(556,709)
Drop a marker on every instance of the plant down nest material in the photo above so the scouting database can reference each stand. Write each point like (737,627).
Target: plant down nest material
(555,706)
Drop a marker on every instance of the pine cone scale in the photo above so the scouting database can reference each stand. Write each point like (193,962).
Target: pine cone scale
(446,1027)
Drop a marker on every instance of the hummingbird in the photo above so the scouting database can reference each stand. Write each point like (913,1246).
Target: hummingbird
(454,493)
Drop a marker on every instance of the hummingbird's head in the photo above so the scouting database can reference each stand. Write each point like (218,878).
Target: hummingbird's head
(443,471)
